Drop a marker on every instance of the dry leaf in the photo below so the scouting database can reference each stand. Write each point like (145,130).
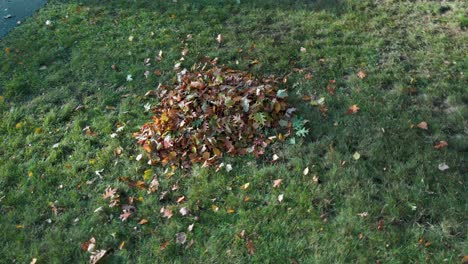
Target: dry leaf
(423,125)
(181,238)
(441,144)
(164,245)
(380,225)
(280,198)
(122,245)
(363,214)
(167,213)
(183,211)
(306,171)
(125,215)
(97,256)
(180,199)
(352,110)
(275,157)
(245,186)
(277,183)
(302,49)
(250,247)
(33,261)
(443,166)
(154,185)
(109,192)
(219,38)
(190,227)
(361,74)
(143,221)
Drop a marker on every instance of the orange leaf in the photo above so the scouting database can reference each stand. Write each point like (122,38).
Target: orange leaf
(250,247)
(352,110)
(442,144)
(143,221)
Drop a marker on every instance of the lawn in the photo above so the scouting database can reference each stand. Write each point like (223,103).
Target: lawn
(373,186)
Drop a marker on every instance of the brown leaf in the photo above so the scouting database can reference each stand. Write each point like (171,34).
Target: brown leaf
(164,245)
(361,74)
(441,144)
(250,247)
(122,245)
(125,216)
(380,225)
(352,110)
(423,125)
(180,199)
(167,213)
(109,192)
(277,183)
(143,222)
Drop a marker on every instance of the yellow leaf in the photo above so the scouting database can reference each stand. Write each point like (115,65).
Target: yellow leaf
(38,130)
(245,186)
(122,245)
(230,211)
(147,174)
(214,208)
(30,174)
(92,161)
(140,199)
(1,99)
(19,226)
(356,155)
(217,152)
(143,221)
(19,125)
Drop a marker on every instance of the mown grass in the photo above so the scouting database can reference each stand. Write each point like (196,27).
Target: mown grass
(414,55)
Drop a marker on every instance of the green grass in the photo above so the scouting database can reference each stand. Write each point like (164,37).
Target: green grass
(415,57)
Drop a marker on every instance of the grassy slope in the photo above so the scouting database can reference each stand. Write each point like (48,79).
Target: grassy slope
(400,46)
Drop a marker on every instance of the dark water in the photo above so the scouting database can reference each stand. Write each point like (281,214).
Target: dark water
(12,11)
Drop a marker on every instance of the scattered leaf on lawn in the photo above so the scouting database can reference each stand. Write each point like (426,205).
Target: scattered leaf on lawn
(143,221)
(180,199)
(33,261)
(352,109)
(250,247)
(302,49)
(97,256)
(109,192)
(280,198)
(306,171)
(361,74)
(277,183)
(122,245)
(181,238)
(275,157)
(190,227)
(356,155)
(380,225)
(441,144)
(245,186)
(167,213)
(423,125)
(230,211)
(363,214)
(164,245)
(219,39)
(183,211)
(443,166)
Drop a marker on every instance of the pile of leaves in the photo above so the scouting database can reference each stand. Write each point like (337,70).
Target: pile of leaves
(208,113)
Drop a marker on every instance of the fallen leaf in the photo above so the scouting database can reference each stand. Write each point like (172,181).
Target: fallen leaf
(280,198)
(443,166)
(33,261)
(143,221)
(183,211)
(219,38)
(380,225)
(190,227)
(441,144)
(230,211)
(303,50)
(363,214)
(361,74)
(97,256)
(306,171)
(352,110)
(423,125)
(164,245)
(109,192)
(125,216)
(275,157)
(277,183)
(356,155)
(181,238)
(167,213)
(122,245)
(250,247)
(180,199)
(245,186)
